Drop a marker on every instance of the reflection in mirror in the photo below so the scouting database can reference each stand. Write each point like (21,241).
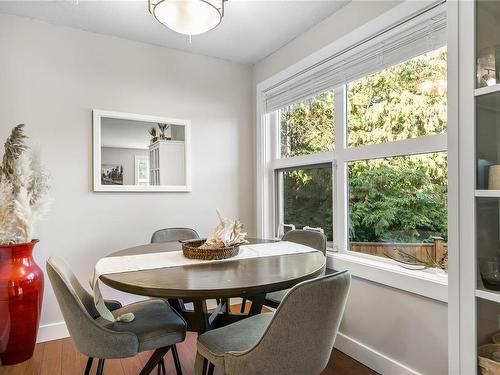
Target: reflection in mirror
(142,154)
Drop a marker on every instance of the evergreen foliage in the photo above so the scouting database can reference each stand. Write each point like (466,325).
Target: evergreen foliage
(402,199)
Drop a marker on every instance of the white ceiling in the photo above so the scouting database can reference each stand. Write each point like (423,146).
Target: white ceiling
(250,30)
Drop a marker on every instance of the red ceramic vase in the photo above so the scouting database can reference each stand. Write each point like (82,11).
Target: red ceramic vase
(21,293)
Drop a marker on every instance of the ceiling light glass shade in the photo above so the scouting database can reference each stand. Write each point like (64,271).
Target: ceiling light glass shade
(190,17)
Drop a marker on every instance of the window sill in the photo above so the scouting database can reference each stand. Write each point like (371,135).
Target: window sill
(422,282)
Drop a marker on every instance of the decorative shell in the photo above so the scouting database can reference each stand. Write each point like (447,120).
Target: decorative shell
(228,233)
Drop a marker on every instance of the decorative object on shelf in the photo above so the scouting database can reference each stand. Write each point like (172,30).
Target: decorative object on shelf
(494,177)
(483,171)
(152,133)
(487,69)
(496,338)
(188,17)
(163,128)
(489,359)
(434,259)
(223,243)
(489,268)
(24,199)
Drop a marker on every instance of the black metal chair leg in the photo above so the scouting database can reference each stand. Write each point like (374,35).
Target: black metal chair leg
(100,366)
(205,365)
(243,305)
(89,366)
(154,360)
(177,362)
(161,367)
(211,368)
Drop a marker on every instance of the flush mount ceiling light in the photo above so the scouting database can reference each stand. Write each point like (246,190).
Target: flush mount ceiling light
(189,17)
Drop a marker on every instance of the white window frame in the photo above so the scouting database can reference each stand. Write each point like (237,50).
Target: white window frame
(380,270)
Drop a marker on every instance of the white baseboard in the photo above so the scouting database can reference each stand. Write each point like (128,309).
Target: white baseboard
(53,331)
(370,357)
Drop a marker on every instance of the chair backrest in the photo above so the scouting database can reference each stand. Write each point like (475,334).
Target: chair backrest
(78,308)
(300,337)
(174,234)
(314,239)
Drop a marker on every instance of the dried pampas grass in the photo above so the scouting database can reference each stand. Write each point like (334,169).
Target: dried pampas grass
(24,187)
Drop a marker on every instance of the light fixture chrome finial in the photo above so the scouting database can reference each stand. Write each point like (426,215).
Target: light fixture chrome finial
(189,17)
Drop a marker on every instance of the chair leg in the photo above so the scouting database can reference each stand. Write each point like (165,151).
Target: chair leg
(154,360)
(211,368)
(243,305)
(205,365)
(89,366)
(161,367)
(177,362)
(100,366)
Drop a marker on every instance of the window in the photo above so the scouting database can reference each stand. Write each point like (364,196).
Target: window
(308,126)
(399,202)
(356,145)
(405,101)
(305,198)
(395,196)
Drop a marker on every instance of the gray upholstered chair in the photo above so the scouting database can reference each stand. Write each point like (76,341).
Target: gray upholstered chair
(314,239)
(174,234)
(156,326)
(295,340)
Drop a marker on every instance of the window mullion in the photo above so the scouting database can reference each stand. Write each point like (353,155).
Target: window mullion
(339,175)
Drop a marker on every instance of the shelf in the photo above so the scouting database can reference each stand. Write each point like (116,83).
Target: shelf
(487,90)
(489,295)
(488,193)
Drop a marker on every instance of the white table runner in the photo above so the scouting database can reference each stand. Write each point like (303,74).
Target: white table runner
(141,262)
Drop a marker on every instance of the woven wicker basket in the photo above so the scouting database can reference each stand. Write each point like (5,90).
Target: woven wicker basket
(486,363)
(191,250)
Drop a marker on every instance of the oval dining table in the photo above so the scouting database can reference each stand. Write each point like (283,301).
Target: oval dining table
(247,278)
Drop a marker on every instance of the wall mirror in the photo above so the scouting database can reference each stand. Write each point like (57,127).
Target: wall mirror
(140,153)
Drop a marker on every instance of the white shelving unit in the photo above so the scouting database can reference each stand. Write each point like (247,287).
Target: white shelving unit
(488,295)
(167,163)
(481,213)
(487,90)
(487,193)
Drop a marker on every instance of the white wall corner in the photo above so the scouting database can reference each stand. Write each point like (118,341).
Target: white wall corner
(52,331)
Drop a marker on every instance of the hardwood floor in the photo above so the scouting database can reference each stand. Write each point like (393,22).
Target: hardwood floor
(60,357)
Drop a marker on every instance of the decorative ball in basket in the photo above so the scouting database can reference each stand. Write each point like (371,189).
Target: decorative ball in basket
(222,244)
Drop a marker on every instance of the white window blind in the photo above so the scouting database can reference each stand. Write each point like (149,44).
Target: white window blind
(416,36)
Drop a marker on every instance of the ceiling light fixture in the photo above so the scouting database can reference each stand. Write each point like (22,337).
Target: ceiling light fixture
(189,17)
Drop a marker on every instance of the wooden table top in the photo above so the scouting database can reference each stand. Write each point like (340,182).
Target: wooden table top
(235,278)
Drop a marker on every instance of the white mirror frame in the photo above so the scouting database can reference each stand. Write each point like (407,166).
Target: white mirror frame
(98,114)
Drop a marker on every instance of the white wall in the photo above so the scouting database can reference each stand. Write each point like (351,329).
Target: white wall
(52,77)
(392,331)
